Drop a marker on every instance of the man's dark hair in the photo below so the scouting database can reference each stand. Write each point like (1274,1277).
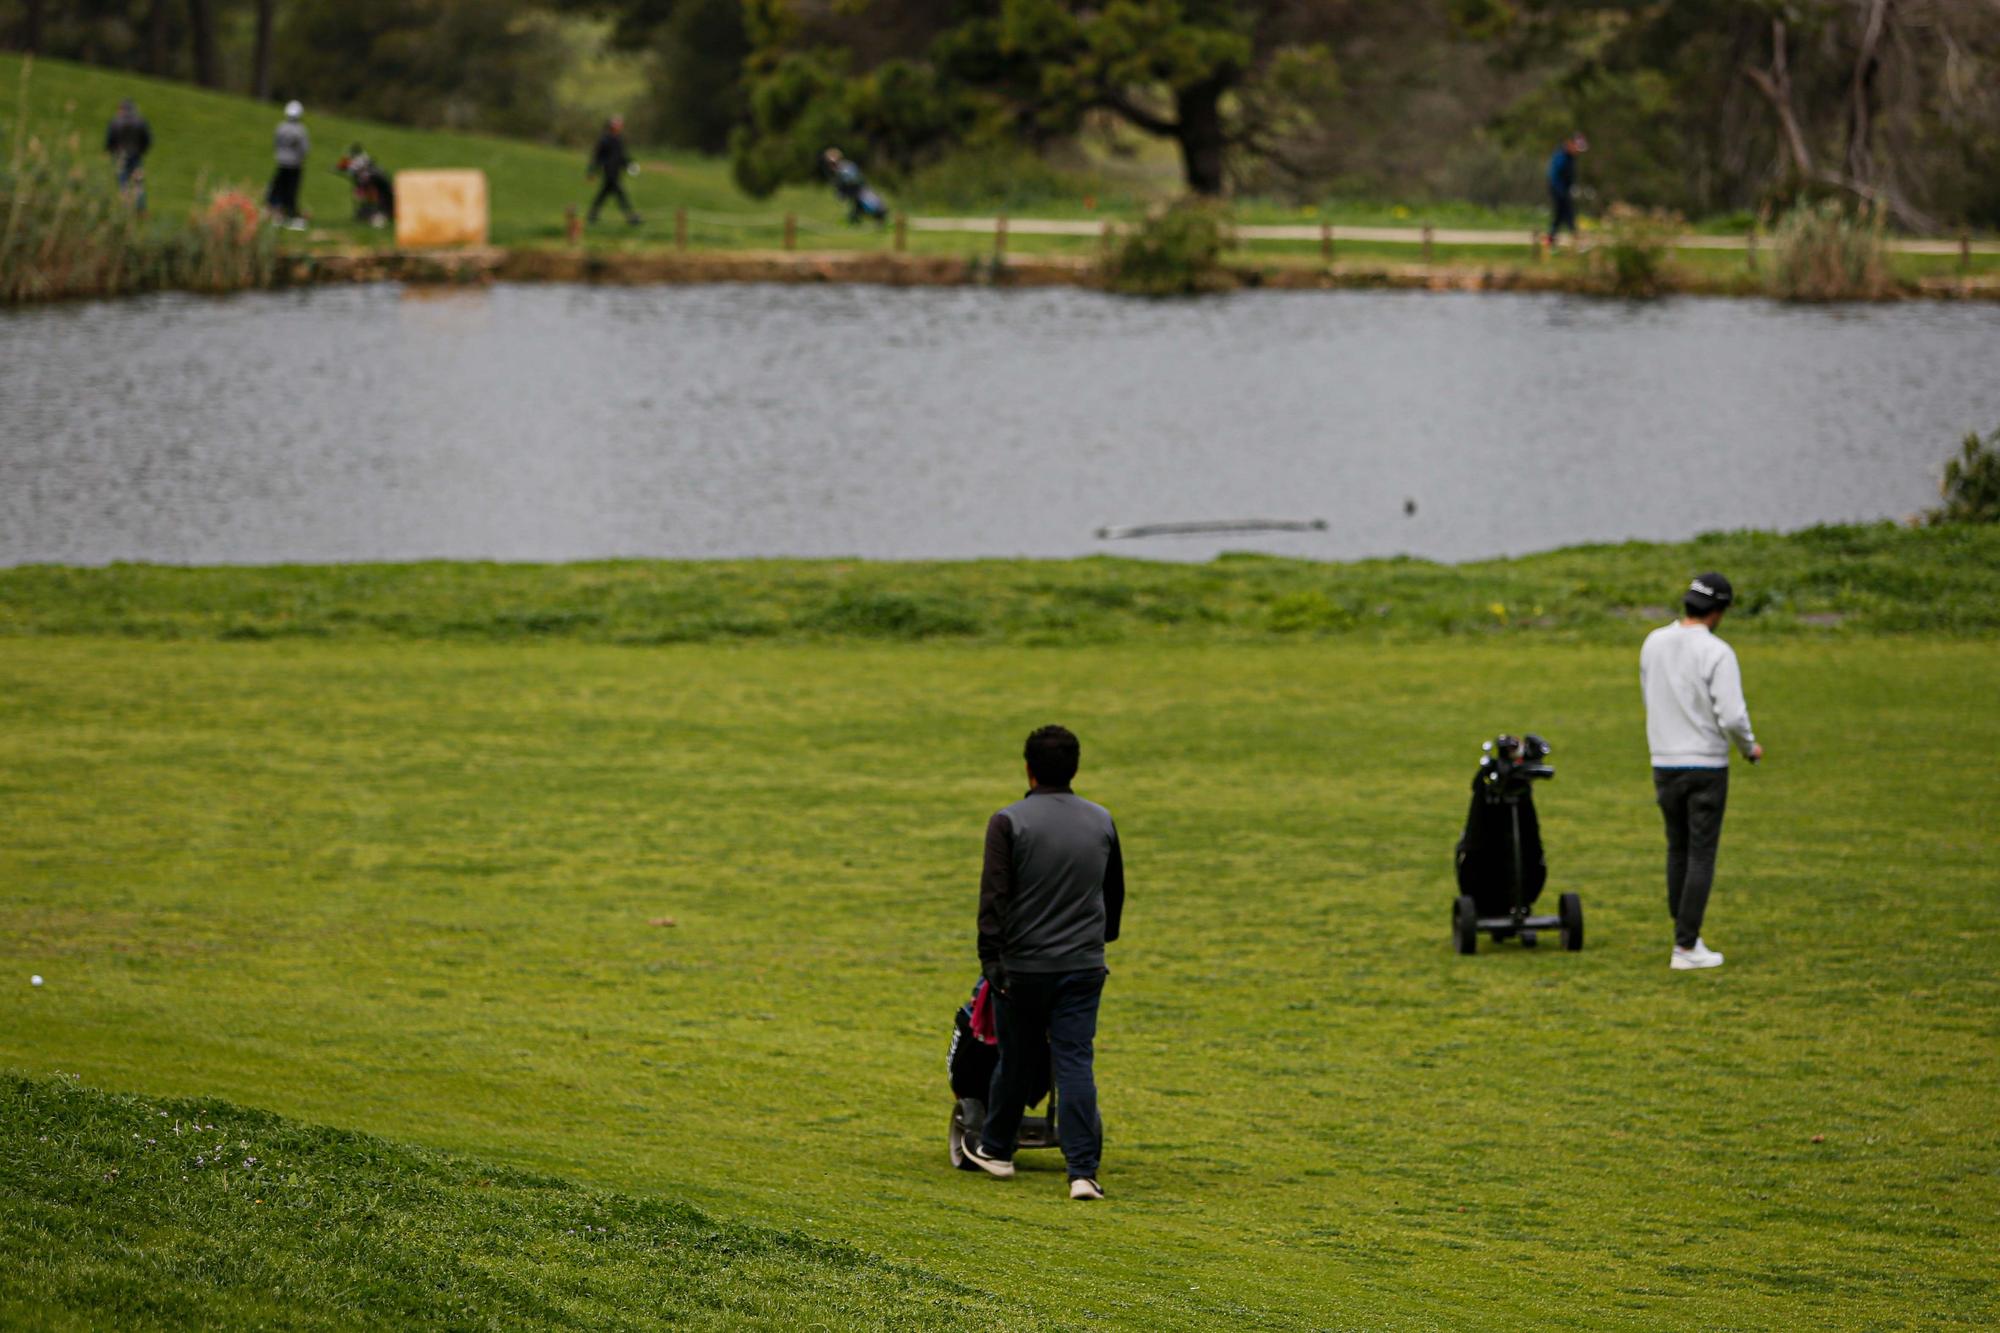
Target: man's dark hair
(1052,754)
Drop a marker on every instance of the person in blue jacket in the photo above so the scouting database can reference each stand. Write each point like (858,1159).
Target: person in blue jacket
(1562,186)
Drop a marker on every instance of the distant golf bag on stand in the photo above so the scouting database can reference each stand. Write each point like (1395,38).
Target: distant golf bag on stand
(1500,867)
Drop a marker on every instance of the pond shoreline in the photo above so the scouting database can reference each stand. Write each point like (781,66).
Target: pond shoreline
(672,267)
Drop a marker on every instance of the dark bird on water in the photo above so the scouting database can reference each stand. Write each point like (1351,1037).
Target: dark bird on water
(1409,508)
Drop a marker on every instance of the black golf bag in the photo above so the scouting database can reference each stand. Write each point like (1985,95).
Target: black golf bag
(974,1054)
(1486,852)
(1501,871)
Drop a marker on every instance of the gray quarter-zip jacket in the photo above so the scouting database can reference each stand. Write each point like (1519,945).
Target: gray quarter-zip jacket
(291,144)
(1052,888)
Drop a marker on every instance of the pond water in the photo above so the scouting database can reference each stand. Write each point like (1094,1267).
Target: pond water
(557,423)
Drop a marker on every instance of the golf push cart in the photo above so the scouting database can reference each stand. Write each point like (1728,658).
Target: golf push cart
(1500,867)
(975,1050)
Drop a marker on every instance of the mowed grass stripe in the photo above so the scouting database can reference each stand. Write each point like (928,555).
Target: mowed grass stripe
(1821,581)
(407,887)
(136,1213)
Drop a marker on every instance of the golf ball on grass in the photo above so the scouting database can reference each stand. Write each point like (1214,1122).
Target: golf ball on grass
(35,980)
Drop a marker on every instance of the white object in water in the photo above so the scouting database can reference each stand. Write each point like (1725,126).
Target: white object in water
(1201,529)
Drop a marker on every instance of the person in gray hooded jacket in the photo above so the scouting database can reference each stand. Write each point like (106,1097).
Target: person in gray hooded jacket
(289,147)
(1051,893)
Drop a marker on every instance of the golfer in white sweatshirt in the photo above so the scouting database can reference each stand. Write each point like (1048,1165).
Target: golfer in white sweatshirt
(1694,708)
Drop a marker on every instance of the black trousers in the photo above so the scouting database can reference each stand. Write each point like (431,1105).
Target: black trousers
(1563,205)
(284,193)
(613,188)
(1692,802)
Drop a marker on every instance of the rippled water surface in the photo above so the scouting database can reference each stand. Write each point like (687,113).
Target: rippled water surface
(549,422)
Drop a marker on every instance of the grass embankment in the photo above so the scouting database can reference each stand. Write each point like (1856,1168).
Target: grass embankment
(1853,578)
(205,140)
(689,921)
(118,1212)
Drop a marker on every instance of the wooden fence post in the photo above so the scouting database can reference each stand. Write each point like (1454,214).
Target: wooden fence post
(1750,248)
(1964,250)
(572,225)
(1427,242)
(1000,235)
(791,232)
(1326,242)
(680,229)
(1535,246)
(902,232)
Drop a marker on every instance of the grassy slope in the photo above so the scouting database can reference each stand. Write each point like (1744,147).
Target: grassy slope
(125,1213)
(1878,577)
(407,885)
(204,140)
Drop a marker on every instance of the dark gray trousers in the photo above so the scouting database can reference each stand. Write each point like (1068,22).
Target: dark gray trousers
(1692,801)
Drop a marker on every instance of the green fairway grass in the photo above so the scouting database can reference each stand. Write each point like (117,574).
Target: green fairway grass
(687,921)
(204,141)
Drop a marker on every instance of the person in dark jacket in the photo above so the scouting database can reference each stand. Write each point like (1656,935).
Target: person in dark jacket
(128,138)
(1562,186)
(1051,892)
(609,162)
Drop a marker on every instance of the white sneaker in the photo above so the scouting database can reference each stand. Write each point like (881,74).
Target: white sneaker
(1687,960)
(997,1167)
(1083,1187)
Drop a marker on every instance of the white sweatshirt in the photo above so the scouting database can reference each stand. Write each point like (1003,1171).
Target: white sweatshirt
(1694,698)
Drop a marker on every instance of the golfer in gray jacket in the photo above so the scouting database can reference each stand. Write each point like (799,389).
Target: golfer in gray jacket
(1051,891)
(1694,708)
(289,147)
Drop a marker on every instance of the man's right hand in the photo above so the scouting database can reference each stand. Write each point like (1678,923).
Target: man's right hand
(1756,753)
(995,973)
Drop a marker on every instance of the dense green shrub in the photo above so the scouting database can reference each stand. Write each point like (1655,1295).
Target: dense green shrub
(1176,251)
(1634,255)
(1825,253)
(1971,487)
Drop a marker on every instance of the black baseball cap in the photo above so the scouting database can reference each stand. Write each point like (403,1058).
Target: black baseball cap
(1709,592)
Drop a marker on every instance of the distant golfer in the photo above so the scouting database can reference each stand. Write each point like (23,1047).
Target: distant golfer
(289,147)
(1562,186)
(127,139)
(1050,894)
(609,162)
(1694,708)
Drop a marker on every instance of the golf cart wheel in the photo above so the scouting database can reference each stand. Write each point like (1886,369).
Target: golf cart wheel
(1465,924)
(1570,911)
(968,1118)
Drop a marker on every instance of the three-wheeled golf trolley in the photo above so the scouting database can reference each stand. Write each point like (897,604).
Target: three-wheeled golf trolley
(1500,867)
(974,1052)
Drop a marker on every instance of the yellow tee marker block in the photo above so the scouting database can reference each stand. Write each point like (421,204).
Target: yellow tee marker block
(440,208)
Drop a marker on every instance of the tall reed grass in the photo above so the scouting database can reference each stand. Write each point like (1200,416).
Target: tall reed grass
(1826,253)
(66,230)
